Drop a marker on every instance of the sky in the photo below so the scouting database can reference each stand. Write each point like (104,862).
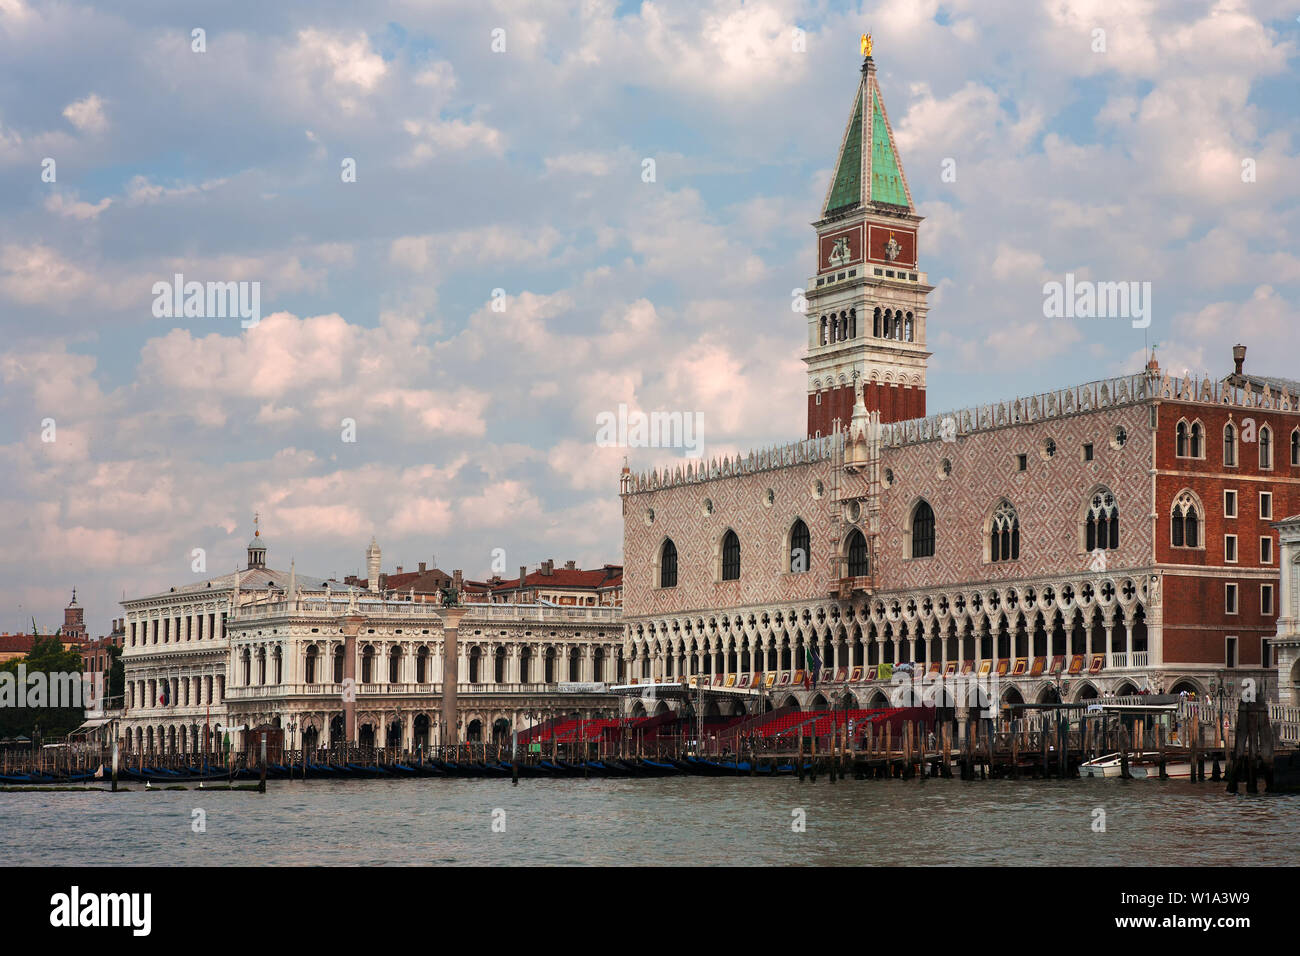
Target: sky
(502,269)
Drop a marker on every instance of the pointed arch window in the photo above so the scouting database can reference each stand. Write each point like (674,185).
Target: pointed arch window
(1266,447)
(1185,522)
(1180,449)
(1197,441)
(1004,533)
(922,530)
(800,547)
(1229,446)
(1295,448)
(730,556)
(668,564)
(1101,527)
(857,554)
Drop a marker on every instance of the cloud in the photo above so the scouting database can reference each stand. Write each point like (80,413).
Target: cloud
(522,171)
(87,114)
(70,208)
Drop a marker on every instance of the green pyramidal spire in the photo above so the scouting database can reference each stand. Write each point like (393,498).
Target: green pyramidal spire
(868,170)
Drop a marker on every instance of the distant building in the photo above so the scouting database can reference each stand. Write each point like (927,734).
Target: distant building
(20,645)
(95,656)
(292,659)
(74,620)
(177,652)
(261,647)
(567,586)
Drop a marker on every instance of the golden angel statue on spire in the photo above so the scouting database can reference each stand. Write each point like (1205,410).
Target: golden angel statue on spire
(866,44)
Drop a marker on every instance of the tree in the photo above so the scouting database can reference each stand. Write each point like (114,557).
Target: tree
(46,666)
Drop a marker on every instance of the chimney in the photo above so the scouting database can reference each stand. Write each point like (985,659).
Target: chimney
(421,567)
(457,579)
(399,569)
(570,565)
(1239,357)
(523,573)
(548,567)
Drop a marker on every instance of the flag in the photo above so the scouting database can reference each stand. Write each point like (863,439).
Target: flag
(814,665)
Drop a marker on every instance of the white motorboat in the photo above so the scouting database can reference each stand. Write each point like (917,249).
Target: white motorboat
(1141,766)
(1104,766)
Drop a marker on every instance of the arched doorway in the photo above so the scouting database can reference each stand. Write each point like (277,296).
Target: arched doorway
(474,732)
(1011,697)
(310,738)
(500,732)
(421,730)
(393,739)
(366,735)
(336,730)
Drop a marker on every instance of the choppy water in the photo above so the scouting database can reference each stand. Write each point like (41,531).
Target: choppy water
(674,820)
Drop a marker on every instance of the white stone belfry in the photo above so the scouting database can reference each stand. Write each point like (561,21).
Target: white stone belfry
(372,565)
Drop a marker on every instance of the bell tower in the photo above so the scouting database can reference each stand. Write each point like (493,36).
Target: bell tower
(867,301)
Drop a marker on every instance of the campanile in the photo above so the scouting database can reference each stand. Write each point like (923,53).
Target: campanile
(867,299)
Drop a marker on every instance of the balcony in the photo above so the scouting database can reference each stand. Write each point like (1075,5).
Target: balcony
(428,612)
(843,588)
(1132,659)
(377,690)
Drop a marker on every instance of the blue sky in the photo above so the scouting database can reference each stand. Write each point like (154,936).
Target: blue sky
(522,170)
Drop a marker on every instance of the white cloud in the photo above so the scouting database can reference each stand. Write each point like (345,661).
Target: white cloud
(71,208)
(87,114)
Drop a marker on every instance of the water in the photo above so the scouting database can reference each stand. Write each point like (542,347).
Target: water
(659,821)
